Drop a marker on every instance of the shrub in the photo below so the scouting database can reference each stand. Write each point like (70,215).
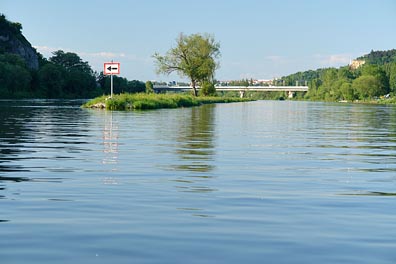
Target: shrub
(207,88)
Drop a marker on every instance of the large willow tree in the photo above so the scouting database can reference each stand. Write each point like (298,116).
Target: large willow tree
(194,57)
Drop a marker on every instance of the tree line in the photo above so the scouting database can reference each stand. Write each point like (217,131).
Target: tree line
(64,75)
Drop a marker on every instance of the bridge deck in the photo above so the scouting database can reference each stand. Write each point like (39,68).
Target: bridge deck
(237,88)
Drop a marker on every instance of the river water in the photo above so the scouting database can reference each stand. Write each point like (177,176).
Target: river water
(257,182)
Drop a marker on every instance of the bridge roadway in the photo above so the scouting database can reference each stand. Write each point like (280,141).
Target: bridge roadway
(163,88)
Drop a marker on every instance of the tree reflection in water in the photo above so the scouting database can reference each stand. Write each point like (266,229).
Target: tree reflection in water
(195,138)
(196,150)
(13,133)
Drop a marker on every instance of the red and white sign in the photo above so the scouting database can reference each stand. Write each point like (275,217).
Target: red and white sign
(111,68)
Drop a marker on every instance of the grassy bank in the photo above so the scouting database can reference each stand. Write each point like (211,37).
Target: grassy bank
(143,101)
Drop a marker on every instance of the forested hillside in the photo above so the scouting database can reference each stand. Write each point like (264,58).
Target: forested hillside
(375,78)
(24,73)
(380,57)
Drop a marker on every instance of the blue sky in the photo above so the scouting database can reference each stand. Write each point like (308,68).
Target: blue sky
(259,39)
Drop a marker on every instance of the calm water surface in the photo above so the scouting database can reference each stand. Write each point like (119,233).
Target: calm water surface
(258,182)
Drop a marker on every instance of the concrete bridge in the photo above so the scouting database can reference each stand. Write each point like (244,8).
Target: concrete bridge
(290,90)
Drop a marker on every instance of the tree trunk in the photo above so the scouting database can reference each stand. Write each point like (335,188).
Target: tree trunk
(193,83)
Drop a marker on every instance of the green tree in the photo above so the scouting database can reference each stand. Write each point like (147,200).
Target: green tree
(347,91)
(345,73)
(207,88)
(367,86)
(79,79)
(313,87)
(136,86)
(120,84)
(52,80)
(194,57)
(15,78)
(149,87)
(392,77)
(327,90)
(70,61)
(379,74)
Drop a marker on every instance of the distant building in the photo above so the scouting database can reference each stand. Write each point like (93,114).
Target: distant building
(353,65)
(262,82)
(251,82)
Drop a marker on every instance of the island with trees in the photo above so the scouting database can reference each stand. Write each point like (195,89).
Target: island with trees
(194,57)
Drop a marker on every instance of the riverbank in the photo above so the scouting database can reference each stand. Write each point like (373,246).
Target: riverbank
(390,101)
(382,101)
(143,101)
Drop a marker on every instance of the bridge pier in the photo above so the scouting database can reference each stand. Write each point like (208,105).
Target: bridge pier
(241,94)
(290,94)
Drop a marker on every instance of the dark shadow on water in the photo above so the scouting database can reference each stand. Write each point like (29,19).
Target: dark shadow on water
(60,200)
(57,125)
(13,179)
(12,168)
(199,189)
(194,167)
(195,212)
(50,179)
(370,194)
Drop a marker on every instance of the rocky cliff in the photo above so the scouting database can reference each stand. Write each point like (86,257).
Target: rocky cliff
(12,41)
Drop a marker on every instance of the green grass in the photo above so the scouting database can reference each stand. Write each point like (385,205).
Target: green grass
(143,101)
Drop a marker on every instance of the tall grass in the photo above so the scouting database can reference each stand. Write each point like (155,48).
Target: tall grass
(143,101)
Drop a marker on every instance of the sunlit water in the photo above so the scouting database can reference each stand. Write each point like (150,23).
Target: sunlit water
(258,182)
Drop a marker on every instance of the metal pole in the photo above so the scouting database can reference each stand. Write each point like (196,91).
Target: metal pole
(111,86)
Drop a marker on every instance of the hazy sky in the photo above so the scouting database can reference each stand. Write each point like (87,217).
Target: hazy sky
(259,39)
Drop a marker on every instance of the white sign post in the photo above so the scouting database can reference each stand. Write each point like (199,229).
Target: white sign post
(111,68)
